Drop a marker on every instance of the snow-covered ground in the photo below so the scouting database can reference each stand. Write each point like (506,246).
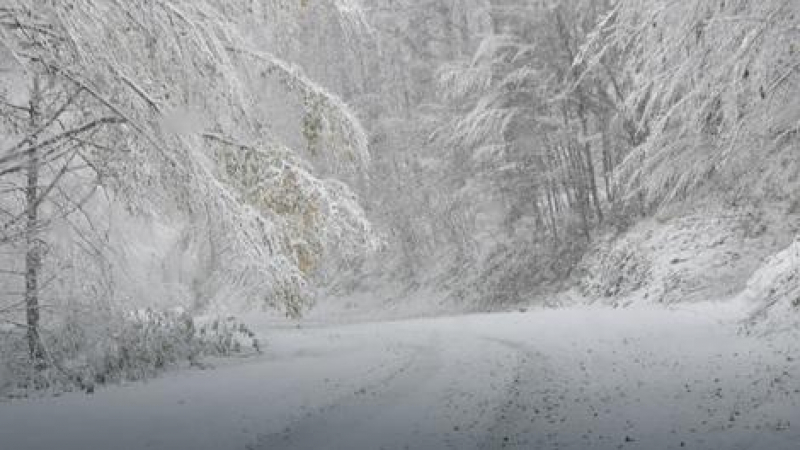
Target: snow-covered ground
(577,378)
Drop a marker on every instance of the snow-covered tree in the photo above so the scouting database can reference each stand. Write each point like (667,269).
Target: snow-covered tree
(708,88)
(139,165)
(411,197)
(531,140)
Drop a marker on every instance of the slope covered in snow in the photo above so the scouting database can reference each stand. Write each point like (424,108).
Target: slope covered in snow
(774,293)
(699,253)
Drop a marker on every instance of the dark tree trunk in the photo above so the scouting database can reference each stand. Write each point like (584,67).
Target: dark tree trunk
(589,161)
(33,257)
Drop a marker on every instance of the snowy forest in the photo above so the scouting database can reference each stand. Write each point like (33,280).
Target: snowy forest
(186,184)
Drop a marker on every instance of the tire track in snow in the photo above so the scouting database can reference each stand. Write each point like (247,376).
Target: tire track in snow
(517,412)
(357,420)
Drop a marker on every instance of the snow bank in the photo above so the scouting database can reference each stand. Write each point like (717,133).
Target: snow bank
(774,290)
(707,254)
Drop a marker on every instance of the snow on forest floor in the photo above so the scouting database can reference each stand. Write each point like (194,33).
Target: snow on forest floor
(577,378)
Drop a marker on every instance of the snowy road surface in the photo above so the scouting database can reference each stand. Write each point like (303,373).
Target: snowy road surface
(583,378)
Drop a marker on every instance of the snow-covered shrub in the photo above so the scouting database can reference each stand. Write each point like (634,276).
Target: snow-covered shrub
(225,336)
(613,269)
(116,347)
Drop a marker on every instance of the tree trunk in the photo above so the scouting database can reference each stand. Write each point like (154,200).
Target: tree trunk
(608,164)
(551,203)
(589,161)
(33,257)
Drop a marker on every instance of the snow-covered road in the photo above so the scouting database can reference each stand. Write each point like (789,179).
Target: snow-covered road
(579,378)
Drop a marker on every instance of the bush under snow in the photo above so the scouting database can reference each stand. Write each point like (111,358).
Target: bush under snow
(85,350)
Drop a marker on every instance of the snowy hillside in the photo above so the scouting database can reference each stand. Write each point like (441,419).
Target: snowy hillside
(703,253)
